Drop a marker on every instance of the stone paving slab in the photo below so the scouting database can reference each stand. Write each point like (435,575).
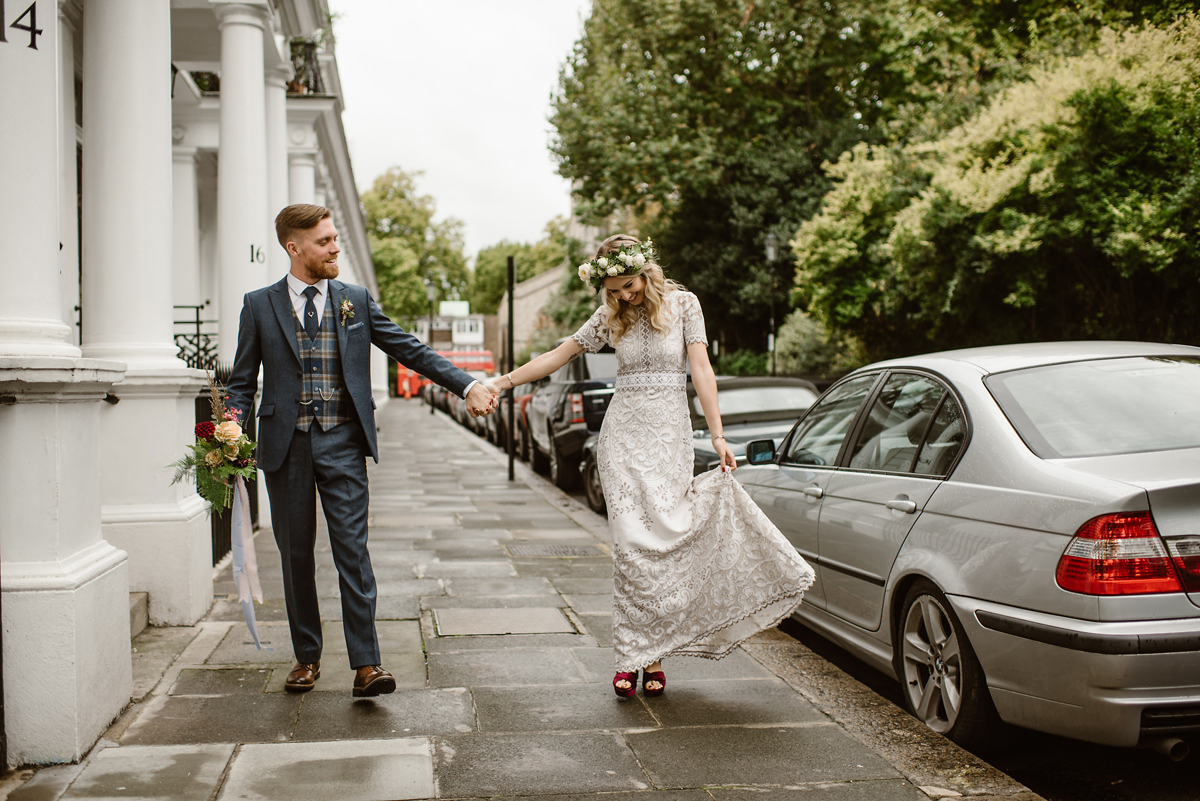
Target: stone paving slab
(584,707)
(187,719)
(221,681)
(404,713)
(152,773)
(744,755)
(517,620)
(507,667)
(354,770)
(492,602)
(469,588)
(536,764)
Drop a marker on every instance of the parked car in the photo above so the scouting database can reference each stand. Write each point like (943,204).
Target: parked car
(498,422)
(751,408)
(760,407)
(1012,532)
(563,410)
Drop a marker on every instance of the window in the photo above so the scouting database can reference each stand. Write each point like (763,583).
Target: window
(943,441)
(897,423)
(753,400)
(819,437)
(1103,407)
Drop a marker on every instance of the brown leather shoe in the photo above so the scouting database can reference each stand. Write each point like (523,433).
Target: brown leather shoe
(373,680)
(303,677)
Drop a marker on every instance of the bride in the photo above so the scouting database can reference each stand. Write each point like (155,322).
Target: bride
(697,567)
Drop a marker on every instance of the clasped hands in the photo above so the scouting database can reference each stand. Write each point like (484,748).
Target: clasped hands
(483,399)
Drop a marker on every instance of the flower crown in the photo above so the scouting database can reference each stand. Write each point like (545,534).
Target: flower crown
(629,260)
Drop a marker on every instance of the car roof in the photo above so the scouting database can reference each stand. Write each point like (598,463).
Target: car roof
(1001,358)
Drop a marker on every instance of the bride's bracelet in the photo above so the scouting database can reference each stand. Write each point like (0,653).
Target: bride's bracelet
(720,436)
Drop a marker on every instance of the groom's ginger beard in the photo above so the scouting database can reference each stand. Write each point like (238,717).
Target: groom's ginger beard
(317,252)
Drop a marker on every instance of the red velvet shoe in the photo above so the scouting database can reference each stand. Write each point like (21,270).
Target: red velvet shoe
(658,676)
(629,691)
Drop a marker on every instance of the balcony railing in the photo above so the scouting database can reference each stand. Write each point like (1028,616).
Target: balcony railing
(307,80)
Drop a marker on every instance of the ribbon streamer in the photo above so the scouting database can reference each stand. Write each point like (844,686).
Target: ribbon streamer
(245,563)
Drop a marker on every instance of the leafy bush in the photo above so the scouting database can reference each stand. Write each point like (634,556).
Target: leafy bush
(1066,209)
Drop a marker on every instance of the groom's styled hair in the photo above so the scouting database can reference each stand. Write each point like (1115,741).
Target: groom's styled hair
(298,217)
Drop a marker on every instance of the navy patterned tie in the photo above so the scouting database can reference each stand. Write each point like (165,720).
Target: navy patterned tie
(310,313)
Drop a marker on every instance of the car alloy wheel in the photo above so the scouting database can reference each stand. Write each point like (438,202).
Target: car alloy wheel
(593,490)
(944,685)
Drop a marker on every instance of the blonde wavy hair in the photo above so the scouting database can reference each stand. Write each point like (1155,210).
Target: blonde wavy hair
(623,316)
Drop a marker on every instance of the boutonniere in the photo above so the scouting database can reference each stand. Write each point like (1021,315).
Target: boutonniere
(347,309)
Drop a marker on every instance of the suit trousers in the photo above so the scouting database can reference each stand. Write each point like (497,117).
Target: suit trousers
(335,462)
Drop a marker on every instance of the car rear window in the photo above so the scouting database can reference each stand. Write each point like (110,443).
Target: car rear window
(601,365)
(1103,407)
(748,400)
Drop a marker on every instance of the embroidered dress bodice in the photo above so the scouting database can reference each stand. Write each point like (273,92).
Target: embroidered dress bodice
(697,566)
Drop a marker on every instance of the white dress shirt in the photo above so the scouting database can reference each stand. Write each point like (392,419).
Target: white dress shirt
(296,289)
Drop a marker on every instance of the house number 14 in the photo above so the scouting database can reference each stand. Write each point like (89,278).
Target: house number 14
(27,22)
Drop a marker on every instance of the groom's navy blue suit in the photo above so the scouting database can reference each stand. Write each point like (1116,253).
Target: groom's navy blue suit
(305,439)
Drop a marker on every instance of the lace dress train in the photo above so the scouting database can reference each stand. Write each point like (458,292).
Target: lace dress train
(697,566)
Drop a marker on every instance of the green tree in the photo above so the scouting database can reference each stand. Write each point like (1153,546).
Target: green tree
(1067,208)
(490,280)
(409,248)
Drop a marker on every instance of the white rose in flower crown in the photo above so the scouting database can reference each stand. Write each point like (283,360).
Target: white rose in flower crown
(626,257)
(227,432)
(613,271)
(602,263)
(585,272)
(639,260)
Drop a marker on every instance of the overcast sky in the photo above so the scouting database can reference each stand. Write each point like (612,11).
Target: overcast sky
(460,89)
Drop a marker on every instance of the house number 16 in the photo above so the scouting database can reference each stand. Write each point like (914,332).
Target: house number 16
(256,254)
(19,24)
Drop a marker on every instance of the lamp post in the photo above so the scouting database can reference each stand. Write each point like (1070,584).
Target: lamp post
(771,245)
(430,293)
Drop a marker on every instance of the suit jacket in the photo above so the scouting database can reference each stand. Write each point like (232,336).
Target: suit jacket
(267,336)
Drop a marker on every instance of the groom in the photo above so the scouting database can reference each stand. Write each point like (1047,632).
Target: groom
(312,335)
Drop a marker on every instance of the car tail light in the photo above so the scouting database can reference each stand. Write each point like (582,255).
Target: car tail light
(577,407)
(1185,552)
(1117,554)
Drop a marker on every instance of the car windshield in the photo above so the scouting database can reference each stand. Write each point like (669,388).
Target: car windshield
(1104,407)
(601,365)
(750,400)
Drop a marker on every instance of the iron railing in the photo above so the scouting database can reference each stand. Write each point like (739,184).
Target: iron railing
(196,346)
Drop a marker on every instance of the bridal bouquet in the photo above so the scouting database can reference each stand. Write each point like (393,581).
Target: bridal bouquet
(221,454)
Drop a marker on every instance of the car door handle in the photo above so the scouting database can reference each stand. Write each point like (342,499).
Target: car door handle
(908,507)
(814,492)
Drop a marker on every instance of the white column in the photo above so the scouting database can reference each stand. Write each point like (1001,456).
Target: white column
(65,591)
(127,183)
(302,176)
(31,321)
(68,176)
(127,315)
(185,246)
(277,164)
(243,224)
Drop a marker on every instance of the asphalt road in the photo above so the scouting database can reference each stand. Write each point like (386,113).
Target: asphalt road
(1057,768)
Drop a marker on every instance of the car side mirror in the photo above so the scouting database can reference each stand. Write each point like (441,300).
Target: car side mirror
(760,451)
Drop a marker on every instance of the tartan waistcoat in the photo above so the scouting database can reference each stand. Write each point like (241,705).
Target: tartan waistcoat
(322,367)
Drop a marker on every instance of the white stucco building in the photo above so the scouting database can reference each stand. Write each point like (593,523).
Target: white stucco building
(145,149)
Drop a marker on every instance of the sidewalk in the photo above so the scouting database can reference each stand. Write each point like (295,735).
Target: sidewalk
(494,616)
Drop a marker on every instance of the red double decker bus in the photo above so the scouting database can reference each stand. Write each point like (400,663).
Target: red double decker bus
(479,363)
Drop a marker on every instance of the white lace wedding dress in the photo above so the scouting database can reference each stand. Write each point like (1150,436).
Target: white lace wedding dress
(697,566)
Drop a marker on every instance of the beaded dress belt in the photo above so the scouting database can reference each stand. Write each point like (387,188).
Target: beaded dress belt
(651,381)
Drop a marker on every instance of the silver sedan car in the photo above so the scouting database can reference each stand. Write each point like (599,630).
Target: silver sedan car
(1012,532)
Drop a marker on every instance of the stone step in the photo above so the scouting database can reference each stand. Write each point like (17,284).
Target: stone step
(139,613)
